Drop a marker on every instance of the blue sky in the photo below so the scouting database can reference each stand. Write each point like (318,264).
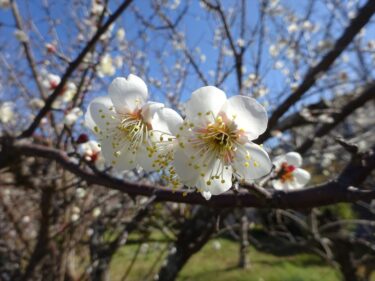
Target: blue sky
(198,32)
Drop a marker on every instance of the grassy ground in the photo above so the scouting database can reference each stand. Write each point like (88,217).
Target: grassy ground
(220,265)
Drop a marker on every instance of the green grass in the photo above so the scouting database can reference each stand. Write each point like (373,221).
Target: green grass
(220,265)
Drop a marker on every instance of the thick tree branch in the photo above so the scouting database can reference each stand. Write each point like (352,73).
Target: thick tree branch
(339,190)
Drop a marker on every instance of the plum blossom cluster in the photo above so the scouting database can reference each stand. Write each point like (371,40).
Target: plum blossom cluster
(207,150)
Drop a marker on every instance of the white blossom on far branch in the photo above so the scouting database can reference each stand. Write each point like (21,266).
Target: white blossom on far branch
(72,116)
(215,142)
(91,151)
(288,175)
(7,112)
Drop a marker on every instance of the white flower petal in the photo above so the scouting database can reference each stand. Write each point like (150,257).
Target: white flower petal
(6,112)
(149,110)
(293,158)
(126,161)
(218,178)
(206,194)
(143,159)
(206,99)
(278,160)
(129,94)
(301,177)
(248,114)
(187,174)
(251,162)
(279,185)
(88,148)
(99,116)
(121,160)
(108,152)
(167,121)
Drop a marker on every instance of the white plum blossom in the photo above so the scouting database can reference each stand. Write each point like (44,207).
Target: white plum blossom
(215,141)
(69,92)
(288,175)
(175,4)
(72,116)
(129,128)
(118,61)
(293,28)
(106,67)
(6,112)
(51,81)
(96,8)
(75,214)
(36,103)
(324,45)
(120,34)
(21,35)
(241,42)
(80,192)
(274,50)
(307,25)
(260,91)
(96,212)
(91,151)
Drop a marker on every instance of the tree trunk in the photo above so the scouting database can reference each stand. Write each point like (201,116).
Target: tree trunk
(343,256)
(192,237)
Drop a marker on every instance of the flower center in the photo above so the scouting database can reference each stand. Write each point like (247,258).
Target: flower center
(135,129)
(285,173)
(218,138)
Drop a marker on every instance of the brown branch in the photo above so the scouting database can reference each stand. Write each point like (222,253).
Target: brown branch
(339,190)
(305,116)
(238,55)
(367,95)
(72,67)
(355,26)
